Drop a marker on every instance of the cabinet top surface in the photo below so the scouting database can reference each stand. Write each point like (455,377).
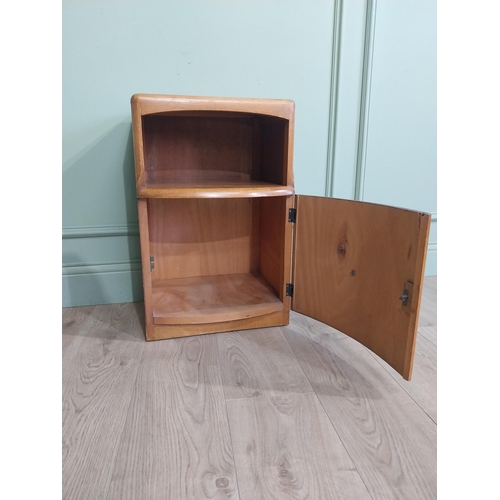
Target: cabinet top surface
(158,103)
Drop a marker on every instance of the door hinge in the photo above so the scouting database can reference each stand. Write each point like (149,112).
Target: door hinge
(292,215)
(151,262)
(289,289)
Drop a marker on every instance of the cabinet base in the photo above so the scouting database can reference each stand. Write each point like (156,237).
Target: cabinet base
(159,332)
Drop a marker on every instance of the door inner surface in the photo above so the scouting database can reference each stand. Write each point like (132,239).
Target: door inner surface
(354,264)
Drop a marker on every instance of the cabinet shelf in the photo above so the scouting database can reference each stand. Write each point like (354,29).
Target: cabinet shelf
(212,299)
(213,189)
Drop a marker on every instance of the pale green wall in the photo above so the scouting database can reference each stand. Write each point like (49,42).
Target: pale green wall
(382,134)
(401,144)
(245,48)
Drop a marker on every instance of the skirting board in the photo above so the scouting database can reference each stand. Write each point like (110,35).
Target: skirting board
(94,288)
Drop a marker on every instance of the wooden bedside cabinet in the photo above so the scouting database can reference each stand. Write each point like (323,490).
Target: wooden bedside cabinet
(227,245)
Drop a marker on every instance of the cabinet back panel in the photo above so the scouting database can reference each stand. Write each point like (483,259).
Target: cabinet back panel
(202,237)
(197,148)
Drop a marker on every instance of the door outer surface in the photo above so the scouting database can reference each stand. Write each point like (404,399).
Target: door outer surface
(352,262)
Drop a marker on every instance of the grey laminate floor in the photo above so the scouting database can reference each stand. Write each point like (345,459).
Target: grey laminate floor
(300,412)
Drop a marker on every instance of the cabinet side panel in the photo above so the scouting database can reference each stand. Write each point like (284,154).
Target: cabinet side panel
(255,241)
(201,237)
(272,242)
(140,175)
(290,145)
(145,253)
(274,150)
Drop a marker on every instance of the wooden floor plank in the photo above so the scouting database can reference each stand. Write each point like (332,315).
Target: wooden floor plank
(98,380)
(286,448)
(430,288)
(75,320)
(428,313)
(428,304)
(429,332)
(176,442)
(423,385)
(149,420)
(314,329)
(391,441)
(259,363)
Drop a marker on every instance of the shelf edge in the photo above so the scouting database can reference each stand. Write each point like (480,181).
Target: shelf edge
(240,192)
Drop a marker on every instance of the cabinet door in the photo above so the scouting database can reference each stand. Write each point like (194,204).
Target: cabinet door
(358,267)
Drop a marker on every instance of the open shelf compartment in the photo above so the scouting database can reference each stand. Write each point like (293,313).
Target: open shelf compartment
(214,154)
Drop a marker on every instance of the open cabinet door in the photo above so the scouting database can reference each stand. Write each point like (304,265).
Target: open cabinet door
(359,267)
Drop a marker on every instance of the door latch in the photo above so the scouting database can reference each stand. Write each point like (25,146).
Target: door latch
(406,298)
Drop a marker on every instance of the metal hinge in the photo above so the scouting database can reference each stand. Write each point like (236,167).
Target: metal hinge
(289,289)
(292,215)
(151,262)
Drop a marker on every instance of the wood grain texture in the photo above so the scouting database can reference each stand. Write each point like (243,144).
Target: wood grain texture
(423,386)
(309,327)
(156,103)
(429,332)
(176,423)
(430,289)
(212,299)
(143,209)
(75,321)
(274,150)
(255,238)
(200,237)
(428,318)
(214,189)
(159,117)
(351,263)
(285,447)
(246,374)
(428,314)
(159,332)
(390,439)
(140,169)
(203,165)
(176,442)
(197,148)
(203,238)
(98,380)
(274,248)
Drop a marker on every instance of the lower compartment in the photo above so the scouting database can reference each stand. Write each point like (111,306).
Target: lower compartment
(212,299)
(215,265)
